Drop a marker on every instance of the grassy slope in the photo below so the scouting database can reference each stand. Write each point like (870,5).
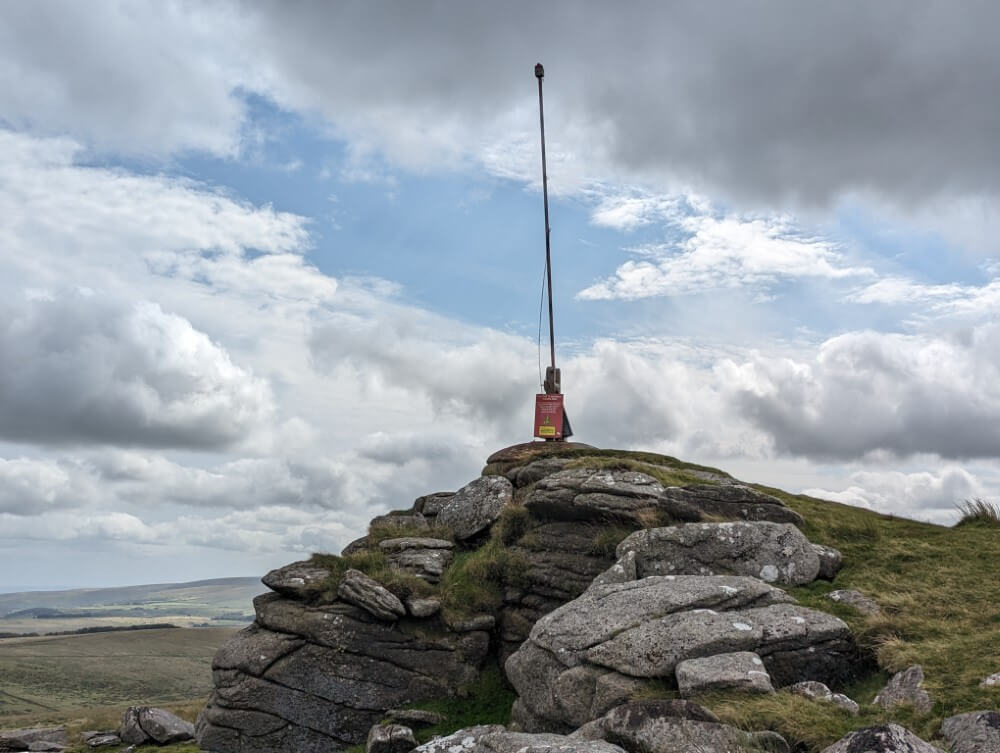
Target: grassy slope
(941,593)
(52,679)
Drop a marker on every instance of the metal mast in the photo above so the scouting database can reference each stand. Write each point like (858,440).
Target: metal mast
(552,380)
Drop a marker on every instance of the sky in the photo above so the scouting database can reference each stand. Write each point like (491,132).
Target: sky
(268,269)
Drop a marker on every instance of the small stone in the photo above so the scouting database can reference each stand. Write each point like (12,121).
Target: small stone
(390,738)
(430,505)
(358,589)
(462,741)
(993,681)
(975,732)
(106,739)
(830,561)
(820,692)
(905,688)
(885,738)
(298,580)
(740,670)
(415,717)
(855,599)
(423,607)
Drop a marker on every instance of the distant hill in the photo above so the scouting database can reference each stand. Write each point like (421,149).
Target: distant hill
(219,600)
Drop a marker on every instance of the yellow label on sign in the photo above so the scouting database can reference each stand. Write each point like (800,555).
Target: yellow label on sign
(546,431)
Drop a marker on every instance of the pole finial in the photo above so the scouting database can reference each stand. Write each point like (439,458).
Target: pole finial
(539,70)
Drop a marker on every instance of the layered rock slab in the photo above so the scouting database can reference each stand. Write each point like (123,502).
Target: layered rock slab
(886,738)
(589,655)
(773,552)
(316,678)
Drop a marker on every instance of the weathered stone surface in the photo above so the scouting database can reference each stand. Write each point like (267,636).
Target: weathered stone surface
(471,624)
(885,738)
(462,741)
(476,506)
(423,607)
(562,562)
(425,558)
(358,545)
(42,746)
(430,505)
(993,681)
(410,543)
(400,520)
(741,670)
(855,599)
(324,676)
(358,589)
(975,732)
(142,724)
(21,739)
(299,579)
(830,561)
(773,552)
(905,688)
(669,727)
(624,634)
(623,571)
(521,742)
(390,738)
(522,475)
(733,501)
(589,494)
(415,717)
(820,692)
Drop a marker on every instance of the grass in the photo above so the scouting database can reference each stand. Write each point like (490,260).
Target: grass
(976,511)
(385,531)
(666,474)
(941,603)
(61,679)
(375,565)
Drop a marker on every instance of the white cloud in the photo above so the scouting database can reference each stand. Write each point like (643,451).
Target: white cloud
(864,392)
(716,252)
(32,486)
(933,301)
(927,495)
(82,370)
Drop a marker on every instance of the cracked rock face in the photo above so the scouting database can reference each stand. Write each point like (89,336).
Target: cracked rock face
(311,679)
(741,670)
(773,552)
(905,687)
(734,501)
(589,655)
(476,506)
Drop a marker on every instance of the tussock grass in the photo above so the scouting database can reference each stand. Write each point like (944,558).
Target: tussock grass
(607,539)
(979,511)
(475,582)
(375,565)
(382,532)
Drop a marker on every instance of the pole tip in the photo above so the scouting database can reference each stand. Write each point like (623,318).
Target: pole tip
(539,71)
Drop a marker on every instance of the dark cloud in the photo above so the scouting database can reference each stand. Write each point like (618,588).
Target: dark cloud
(82,370)
(767,100)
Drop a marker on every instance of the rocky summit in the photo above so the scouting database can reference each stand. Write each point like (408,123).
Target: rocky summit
(615,591)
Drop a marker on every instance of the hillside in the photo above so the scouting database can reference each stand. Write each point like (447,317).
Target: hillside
(223,602)
(464,578)
(55,679)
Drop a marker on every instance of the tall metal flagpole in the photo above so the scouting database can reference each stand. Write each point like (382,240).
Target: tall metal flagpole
(552,381)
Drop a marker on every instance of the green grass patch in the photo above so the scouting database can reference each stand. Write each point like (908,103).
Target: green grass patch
(665,474)
(375,565)
(939,592)
(475,582)
(607,539)
(486,700)
(378,533)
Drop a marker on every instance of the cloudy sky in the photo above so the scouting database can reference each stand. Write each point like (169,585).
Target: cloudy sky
(271,268)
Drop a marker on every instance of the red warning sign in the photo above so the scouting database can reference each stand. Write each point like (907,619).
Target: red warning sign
(549,416)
